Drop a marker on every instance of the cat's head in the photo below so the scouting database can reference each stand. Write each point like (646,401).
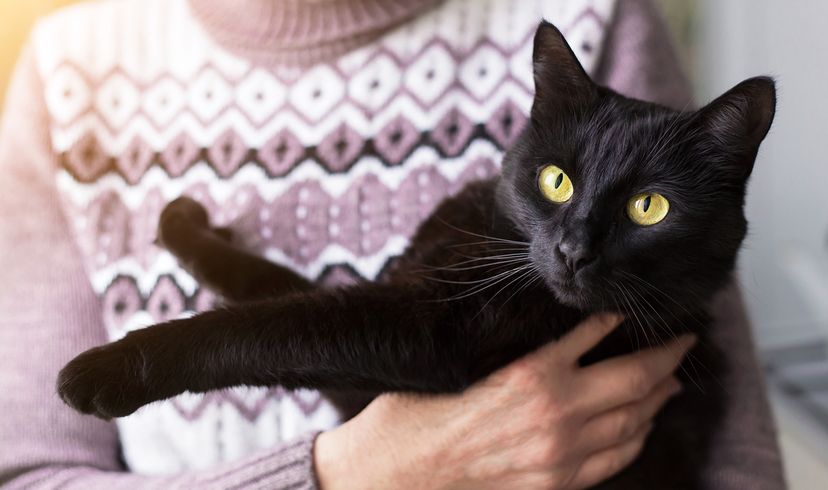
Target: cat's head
(624,200)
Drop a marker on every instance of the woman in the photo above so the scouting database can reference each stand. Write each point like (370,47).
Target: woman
(322,132)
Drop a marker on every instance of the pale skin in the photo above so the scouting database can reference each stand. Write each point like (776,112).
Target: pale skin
(541,422)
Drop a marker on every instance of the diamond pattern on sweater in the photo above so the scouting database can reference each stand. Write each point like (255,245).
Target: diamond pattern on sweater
(281,153)
(67,94)
(396,140)
(209,94)
(163,101)
(121,300)
(317,92)
(340,148)
(179,155)
(192,405)
(374,84)
(228,153)
(166,301)
(431,74)
(259,95)
(86,159)
(506,124)
(116,100)
(452,132)
(482,71)
(135,160)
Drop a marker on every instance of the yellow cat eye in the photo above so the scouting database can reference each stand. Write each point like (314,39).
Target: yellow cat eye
(647,208)
(555,184)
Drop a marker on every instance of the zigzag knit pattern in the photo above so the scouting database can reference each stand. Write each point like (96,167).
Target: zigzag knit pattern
(326,168)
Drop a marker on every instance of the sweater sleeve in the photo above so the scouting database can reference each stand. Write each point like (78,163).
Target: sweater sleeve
(49,313)
(639,61)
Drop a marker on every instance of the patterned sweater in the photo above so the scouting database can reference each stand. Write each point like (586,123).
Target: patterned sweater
(322,132)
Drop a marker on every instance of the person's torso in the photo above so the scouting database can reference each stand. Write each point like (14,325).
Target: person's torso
(326,169)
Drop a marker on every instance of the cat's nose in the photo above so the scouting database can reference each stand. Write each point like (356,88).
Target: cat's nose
(574,255)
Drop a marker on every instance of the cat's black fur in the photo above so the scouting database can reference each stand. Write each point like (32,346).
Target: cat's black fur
(452,308)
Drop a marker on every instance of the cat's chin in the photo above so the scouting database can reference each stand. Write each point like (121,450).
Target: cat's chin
(571,295)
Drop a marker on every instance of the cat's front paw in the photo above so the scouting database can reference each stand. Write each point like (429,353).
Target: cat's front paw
(106,381)
(180,218)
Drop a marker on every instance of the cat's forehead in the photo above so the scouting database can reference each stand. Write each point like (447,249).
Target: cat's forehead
(616,149)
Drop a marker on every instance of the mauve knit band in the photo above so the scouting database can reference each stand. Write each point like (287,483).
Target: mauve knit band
(301,32)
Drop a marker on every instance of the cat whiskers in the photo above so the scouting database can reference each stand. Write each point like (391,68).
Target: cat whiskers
(489,261)
(513,254)
(662,323)
(693,360)
(651,287)
(478,235)
(484,284)
(629,306)
(516,265)
(532,273)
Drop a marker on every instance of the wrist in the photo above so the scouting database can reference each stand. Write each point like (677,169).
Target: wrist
(328,460)
(378,449)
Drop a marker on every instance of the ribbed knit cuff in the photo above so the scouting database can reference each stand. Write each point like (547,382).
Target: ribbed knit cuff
(287,467)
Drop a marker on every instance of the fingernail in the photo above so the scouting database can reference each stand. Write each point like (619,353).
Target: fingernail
(613,318)
(675,387)
(689,340)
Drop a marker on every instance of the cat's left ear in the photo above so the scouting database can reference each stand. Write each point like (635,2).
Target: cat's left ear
(560,80)
(739,120)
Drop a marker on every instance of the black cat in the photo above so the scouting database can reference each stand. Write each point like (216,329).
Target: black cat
(604,203)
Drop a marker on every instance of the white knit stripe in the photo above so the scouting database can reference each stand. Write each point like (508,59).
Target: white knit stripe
(232,69)
(195,445)
(146,277)
(235,119)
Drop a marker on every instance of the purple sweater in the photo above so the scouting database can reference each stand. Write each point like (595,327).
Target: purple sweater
(323,132)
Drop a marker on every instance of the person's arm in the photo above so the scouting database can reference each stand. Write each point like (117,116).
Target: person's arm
(639,61)
(543,422)
(49,313)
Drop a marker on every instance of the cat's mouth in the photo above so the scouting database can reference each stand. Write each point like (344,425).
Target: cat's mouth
(568,292)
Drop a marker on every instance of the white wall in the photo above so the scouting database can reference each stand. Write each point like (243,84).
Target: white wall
(784,266)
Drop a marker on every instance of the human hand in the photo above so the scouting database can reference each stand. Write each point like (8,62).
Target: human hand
(542,422)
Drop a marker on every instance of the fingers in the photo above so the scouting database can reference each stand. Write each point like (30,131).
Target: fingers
(624,379)
(607,462)
(619,424)
(587,335)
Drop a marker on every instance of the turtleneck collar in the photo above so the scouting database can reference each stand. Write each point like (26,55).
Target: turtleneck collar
(300,32)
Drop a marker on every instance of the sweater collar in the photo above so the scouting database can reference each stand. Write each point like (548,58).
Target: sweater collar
(300,32)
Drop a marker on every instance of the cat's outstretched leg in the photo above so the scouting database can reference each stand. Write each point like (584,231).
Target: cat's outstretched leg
(372,338)
(209,255)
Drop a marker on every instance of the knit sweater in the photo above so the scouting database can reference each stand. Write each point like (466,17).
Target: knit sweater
(322,132)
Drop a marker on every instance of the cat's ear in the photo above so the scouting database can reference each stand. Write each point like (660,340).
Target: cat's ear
(560,80)
(738,120)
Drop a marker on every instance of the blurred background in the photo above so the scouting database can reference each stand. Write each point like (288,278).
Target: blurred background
(784,266)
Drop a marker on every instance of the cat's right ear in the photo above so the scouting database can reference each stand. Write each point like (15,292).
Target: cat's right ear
(561,83)
(737,122)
